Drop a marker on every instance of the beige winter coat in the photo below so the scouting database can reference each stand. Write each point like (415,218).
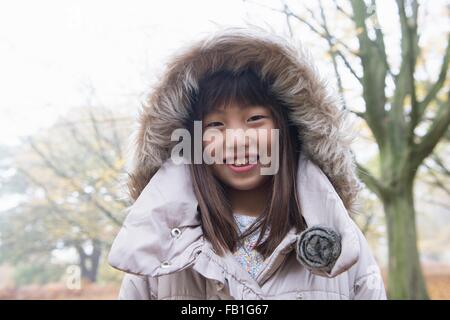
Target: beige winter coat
(161,246)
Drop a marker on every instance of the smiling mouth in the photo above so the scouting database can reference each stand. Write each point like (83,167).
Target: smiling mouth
(243,166)
(242,163)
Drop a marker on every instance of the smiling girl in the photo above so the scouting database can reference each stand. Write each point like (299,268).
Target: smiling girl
(224,230)
(241,101)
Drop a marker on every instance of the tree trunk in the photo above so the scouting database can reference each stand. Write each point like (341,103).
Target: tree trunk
(89,263)
(94,261)
(405,278)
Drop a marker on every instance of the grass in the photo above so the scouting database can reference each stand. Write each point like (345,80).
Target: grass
(438,284)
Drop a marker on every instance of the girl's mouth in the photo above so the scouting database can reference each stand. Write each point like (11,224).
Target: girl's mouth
(244,167)
(241,168)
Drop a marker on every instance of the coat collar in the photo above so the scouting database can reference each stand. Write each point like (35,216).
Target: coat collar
(162,232)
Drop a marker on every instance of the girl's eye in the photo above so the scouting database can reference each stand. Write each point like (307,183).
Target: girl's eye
(255,118)
(214,124)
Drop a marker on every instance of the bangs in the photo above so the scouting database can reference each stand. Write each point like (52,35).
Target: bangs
(223,88)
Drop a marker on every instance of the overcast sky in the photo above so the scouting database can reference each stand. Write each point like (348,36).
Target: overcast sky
(52,52)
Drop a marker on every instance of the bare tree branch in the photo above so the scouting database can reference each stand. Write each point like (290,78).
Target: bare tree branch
(374,77)
(370,181)
(436,87)
(79,188)
(438,128)
(437,181)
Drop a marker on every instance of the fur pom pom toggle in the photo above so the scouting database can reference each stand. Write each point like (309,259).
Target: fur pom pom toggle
(318,248)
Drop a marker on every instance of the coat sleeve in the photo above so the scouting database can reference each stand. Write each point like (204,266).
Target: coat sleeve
(136,287)
(368,283)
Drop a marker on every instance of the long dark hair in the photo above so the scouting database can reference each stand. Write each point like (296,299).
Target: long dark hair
(245,88)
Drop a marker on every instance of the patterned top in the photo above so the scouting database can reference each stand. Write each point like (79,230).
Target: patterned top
(251,260)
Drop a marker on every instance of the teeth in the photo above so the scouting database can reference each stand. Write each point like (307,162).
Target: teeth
(246,161)
(238,163)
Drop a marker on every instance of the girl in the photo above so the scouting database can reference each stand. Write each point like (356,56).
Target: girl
(225,230)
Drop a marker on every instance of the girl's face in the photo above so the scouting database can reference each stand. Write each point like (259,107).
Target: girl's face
(237,120)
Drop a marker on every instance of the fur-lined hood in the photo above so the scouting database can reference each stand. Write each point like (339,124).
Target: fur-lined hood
(312,106)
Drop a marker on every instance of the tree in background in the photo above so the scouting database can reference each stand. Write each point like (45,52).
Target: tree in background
(406,113)
(69,178)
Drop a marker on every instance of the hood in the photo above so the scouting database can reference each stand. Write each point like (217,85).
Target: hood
(313,108)
(147,245)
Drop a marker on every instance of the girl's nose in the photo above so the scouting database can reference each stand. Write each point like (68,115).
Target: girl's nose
(241,142)
(241,139)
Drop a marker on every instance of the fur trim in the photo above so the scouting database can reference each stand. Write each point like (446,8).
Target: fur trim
(316,111)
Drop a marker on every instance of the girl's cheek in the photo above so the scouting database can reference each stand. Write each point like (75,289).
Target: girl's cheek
(213,142)
(265,140)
